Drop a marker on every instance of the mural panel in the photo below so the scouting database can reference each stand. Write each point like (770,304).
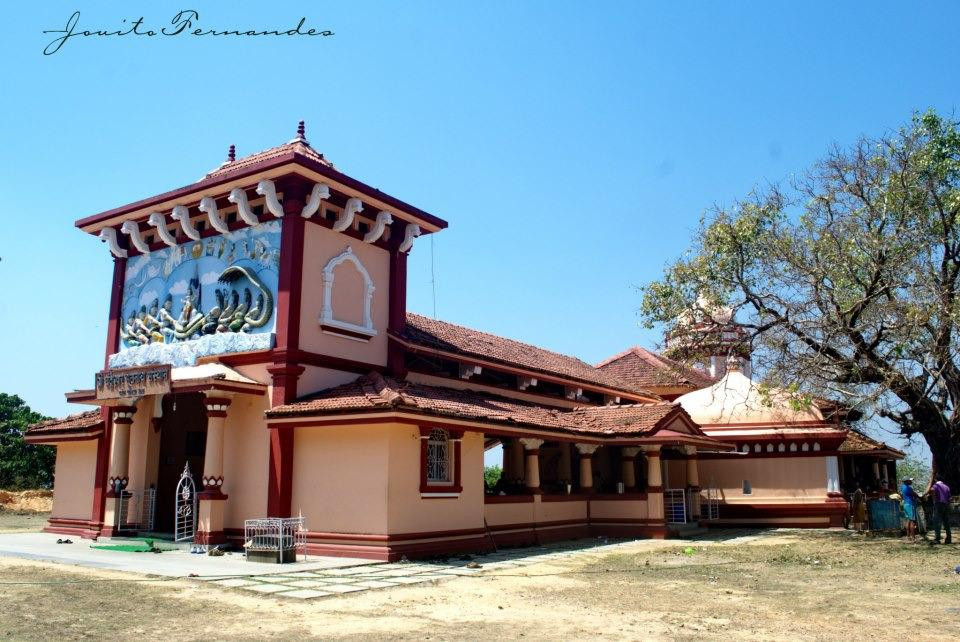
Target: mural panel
(212,296)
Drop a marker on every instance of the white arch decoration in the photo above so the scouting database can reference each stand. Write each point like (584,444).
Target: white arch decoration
(365,329)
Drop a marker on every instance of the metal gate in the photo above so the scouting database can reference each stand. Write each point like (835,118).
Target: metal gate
(135,510)
(185,520)
(711,503)
(675,505)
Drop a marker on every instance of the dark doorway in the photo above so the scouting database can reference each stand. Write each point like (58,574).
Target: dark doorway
(183,439)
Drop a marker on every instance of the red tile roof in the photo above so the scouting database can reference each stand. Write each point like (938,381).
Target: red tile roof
(857,442)
(645,369)
(296,146)
(374,392)
(440,335)
(81,423)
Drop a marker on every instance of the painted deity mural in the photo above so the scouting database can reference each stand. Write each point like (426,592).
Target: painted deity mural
(212,296)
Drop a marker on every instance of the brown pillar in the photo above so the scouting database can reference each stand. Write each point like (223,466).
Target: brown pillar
(586,466)
(693,484)
(654,484)
(531,478)
(120,450)
(628,466)
(210,508)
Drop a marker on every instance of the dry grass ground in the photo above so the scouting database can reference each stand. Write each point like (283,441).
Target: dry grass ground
(823,585)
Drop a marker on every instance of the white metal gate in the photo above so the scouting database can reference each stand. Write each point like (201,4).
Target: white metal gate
(185,520)
(135,510)
(675,505)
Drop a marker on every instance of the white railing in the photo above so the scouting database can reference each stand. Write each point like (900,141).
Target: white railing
(135,509)
(675,505)
(275,536)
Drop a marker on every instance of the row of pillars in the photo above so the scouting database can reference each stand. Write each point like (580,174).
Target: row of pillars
(524,454)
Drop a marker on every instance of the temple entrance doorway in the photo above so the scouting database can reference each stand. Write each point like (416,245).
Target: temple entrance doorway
(183,440)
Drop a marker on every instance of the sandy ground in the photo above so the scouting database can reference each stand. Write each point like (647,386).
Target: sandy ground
(37,501)
(823,585)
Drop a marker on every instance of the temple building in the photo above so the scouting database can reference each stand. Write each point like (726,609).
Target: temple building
(260,362)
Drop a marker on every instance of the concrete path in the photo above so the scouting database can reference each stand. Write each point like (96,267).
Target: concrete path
(177,563)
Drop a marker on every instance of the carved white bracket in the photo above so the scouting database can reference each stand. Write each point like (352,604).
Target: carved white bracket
(530,443)
(209,207)
(326,311)
(467,370)
(612,401)
(384,218)
(131,229)
(182,214)
(109,236)
(574,393)
(526,382)
(411,232)
(158,221)
(320,192)
(346,216)
(267,189)
(239,198)
(587,449)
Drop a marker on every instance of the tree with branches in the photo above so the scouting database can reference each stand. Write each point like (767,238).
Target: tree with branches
(845,280)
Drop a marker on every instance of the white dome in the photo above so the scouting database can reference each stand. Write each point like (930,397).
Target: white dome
(736,399)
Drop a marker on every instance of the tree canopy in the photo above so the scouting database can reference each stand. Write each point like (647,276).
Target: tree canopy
(846,280)
(22,465)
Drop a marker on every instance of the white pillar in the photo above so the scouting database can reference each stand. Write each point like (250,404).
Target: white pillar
(654,483)
(531,477)
(586,465)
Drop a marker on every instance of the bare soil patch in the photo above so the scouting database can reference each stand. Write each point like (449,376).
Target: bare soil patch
(816,585)
(36,501)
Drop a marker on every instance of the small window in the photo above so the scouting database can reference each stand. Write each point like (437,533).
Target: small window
(747,488)
(438,456)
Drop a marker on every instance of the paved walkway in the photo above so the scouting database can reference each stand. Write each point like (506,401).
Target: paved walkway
(338,581)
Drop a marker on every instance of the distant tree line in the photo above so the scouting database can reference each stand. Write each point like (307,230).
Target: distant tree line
(22,465)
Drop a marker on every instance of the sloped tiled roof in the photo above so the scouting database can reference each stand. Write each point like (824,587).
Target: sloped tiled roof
(375,392)
(645,369)
(449,337)
(80,423)
(857,442)
(297,146)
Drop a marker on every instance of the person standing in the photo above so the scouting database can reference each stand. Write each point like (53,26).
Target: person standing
(910,501)
(941,509)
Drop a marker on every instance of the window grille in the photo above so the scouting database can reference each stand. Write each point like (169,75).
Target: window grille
(438,456)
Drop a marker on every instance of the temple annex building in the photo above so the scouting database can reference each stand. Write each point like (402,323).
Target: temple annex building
(260,361)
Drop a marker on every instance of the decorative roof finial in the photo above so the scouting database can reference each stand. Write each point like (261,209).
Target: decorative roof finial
(232,154)
(301,130)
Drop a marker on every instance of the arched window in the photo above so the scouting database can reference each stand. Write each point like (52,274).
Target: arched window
(438,457)
(347,310)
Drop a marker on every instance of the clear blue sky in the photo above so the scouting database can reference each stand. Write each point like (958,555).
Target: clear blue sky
(571,146)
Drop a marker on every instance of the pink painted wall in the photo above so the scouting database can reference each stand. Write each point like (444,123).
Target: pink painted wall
(321,245)
(408,512)
(144,447)
(782,479)
(74,478)
(340,477)
(246,458)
